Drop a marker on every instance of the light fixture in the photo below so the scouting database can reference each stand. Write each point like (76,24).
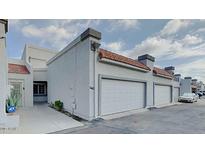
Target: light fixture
(94,45)
(2,37)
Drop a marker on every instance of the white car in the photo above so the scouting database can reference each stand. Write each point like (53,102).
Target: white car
(188,97)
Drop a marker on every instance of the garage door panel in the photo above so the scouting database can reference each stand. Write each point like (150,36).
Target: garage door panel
(118,96)
(162,94)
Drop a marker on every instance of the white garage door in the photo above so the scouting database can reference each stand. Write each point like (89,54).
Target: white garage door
(162,95)
(118,96)
(176,94)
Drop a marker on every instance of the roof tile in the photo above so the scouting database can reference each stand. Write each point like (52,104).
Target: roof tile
(18,69)
(119,58)
(162,72)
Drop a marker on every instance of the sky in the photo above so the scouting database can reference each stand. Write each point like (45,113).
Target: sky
(178,43)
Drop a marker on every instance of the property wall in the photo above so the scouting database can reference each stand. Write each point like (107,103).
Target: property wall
(68,79)
(27,80)
(3,71)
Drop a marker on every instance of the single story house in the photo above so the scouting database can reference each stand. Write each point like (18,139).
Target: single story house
(93,82)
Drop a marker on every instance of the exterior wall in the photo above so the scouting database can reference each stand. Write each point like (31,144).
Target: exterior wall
(185,86)
(3,72)
(37,56)
(73,77)
(27,80)
(40,75)
(125,73)
(119,72)
(68,79)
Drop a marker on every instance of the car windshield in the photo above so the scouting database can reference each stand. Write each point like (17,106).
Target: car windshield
(188,94)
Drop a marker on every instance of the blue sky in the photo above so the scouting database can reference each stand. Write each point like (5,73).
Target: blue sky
(180,43)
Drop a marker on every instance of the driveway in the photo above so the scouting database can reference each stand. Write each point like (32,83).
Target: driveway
(177,119)
(42,119)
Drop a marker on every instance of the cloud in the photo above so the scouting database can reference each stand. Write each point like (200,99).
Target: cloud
(54,33)
(177,41)
(113,46)
(194,69)
(168,49)
(173,26)
(191,40)
(124,24)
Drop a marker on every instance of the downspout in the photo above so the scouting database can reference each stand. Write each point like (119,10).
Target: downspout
(94,83)
(94,47)
(75,84)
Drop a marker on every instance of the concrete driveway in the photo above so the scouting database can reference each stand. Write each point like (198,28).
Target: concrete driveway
(41,119)
(181,118)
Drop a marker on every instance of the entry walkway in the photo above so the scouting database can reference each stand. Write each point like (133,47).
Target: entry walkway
(41,119)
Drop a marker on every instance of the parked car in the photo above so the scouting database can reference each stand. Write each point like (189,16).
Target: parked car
(188,97)
(200,94)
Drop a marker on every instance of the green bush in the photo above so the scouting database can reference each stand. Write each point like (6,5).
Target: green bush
(58,105)
(13,100)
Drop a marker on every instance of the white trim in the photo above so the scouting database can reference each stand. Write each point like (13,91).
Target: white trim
(66,49)
(41,48)
(122,64)
(40,69)
(159,75)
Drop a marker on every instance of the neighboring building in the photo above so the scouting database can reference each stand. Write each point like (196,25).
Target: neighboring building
(37,58)
(187,85)
(3,67)
(11,121)
(93,82)
(200,86)
(28,76)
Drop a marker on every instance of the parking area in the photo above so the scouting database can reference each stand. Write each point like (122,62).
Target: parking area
(177,119)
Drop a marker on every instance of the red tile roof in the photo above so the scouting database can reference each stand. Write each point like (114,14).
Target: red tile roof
(18,69)
(119,58)
(162,72)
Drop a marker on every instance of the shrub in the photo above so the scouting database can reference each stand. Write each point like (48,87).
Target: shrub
(58,105)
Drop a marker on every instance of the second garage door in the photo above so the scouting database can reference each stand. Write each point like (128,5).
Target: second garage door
(119,96)
(162,95)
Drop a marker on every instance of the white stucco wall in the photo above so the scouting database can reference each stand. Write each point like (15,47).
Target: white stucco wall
(37,57)
(3,71)
(68,79)
(122,72)
(27,80)
(74,79)
(40,75)
(185,86)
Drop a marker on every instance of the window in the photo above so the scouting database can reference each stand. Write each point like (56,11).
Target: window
(40,89)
